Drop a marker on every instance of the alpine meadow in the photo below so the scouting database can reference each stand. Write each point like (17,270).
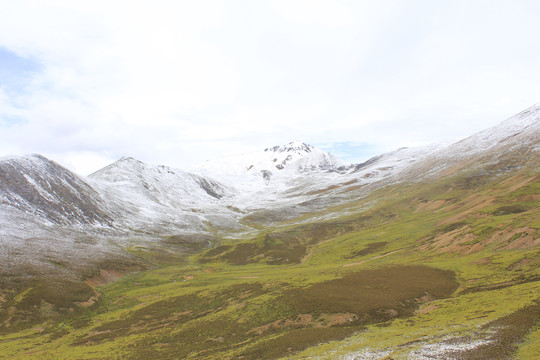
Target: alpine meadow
(421,253)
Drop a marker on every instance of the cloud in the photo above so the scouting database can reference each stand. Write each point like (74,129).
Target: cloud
(179,82)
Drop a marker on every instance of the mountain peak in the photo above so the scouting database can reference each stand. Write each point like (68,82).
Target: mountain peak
(128,159)
(25,158)
(293,146)
(130,163)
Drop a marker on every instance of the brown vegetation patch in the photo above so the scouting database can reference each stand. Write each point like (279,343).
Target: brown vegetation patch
(286,247)
(366,292)
(218,250)
(163,313)
(463,240)
(517,182)
(308,320)
(472,181)
(460,240)
(91,301)
(426,309)
(299,321)
(43,300)
(508,210)
(193,242)
(532,198)
(471,205)
(105,276)
(522,279)
(337,308)
(321,191)
(509,333)
(292,341)
(518,238)
(520,265)
(482,261)
(368,249)
(430,205)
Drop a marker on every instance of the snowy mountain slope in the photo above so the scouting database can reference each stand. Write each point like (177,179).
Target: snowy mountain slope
(312,191)
(127,195)
(299,169)
(155,198)
(520,130)
(49,215)
(274,184)
(283,182)
(511,144)
(47,191)
(153,207)
(275,178)
(160,183)
(292,159)
(507,145)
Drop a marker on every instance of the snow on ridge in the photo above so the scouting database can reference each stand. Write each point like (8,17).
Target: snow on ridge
(158,178)
(293,146)
(157,196)
(36,185)
(293,173)
(526,122)
(28,157)
(295,156)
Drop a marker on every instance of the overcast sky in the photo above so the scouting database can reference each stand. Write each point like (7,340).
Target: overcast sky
(179,82)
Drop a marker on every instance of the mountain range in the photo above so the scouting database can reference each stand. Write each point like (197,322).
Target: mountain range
(130,195)
(131,216)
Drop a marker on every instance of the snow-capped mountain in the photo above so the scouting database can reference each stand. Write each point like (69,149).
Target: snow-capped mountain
(278,162)
(148,197)
(130,194)
(49,192)
(40,199)
(50,215)
(126,195)
(159,183)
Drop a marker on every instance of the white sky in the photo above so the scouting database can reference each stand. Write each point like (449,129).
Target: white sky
(180,82)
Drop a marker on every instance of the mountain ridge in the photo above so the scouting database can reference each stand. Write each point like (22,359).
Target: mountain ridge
(276,175)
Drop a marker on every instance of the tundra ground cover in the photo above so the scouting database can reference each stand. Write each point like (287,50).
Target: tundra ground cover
(420,270)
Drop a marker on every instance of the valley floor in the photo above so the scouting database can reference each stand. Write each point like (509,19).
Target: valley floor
(447,270)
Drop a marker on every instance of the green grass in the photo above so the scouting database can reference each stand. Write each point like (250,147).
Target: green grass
(392,276)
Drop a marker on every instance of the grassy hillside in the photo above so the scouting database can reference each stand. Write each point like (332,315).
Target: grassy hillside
(445,269)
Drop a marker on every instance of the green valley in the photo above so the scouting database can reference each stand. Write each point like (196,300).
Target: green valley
(412,270)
